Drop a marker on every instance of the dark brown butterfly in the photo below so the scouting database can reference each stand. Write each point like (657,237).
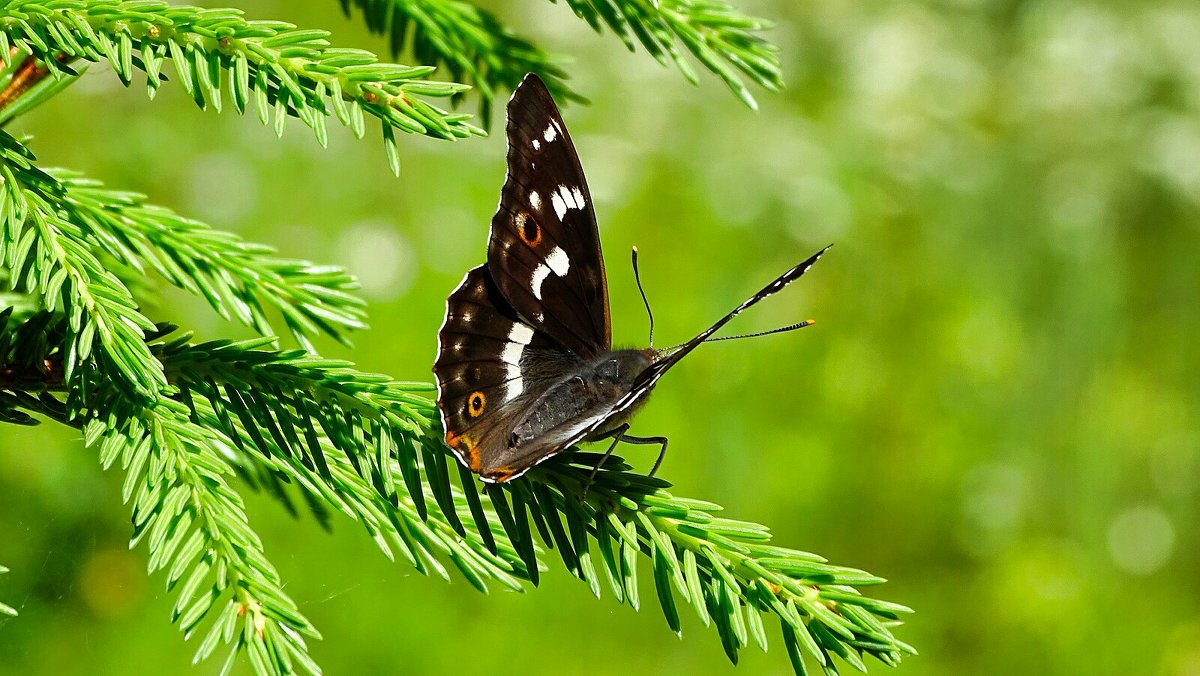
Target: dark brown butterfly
(525,364)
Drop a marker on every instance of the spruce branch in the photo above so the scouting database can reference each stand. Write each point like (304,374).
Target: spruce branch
(478,49)
(57,227)
(196,529)
(45,253)
(722,39)
(347,438)
(474,46)
(370,448)
(237,278)
(193,523)
(727,570)
(217,54)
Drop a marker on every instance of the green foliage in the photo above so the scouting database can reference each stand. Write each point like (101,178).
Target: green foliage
(720,37)
(478,49)
(238,279)
(272,66)
(58,227)
(46,253)
(471,42)
(183,419)
(726,570)
(196,530)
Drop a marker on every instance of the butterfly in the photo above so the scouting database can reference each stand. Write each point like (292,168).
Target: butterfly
(525,365)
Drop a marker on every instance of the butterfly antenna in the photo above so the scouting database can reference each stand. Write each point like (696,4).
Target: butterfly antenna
(671,356)
(638,277)
(782,329)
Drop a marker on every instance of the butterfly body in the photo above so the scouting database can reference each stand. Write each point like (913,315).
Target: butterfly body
(525,364)
(589,392)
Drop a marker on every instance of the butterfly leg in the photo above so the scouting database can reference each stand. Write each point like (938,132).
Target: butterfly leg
(617,434)
(662,451)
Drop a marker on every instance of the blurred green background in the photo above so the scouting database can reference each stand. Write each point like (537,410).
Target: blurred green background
(996,409)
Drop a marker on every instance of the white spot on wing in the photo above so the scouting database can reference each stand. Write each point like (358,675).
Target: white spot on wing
(520,336)
(516,384)
(537,145)
(539,277)
(567,198)
(560,206)
(535,200)
(512,353)
(551,133)
(558,262)
(520,333)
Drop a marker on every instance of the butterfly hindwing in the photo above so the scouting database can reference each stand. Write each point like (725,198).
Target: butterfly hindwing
(507,450)
(544,250)
(480,382)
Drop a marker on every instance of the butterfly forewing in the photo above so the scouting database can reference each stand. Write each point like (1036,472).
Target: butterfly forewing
(544,249)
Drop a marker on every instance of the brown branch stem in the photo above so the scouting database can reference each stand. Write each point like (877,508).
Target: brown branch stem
(28,74)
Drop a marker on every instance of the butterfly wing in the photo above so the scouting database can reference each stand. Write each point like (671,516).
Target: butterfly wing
(544,250)
(482,388)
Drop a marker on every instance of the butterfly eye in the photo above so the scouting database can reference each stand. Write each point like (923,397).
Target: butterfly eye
(608,370)
(475,404)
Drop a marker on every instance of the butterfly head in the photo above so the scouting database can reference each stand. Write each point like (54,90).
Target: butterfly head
(622,368)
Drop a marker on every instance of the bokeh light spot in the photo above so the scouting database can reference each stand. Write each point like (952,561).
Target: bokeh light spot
(994,498)
(1141,540)
(380,258)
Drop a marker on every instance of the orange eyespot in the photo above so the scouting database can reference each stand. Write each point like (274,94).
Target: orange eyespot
(475,404)
(529,230)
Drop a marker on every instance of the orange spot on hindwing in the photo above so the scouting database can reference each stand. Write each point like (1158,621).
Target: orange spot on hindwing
(465,447)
